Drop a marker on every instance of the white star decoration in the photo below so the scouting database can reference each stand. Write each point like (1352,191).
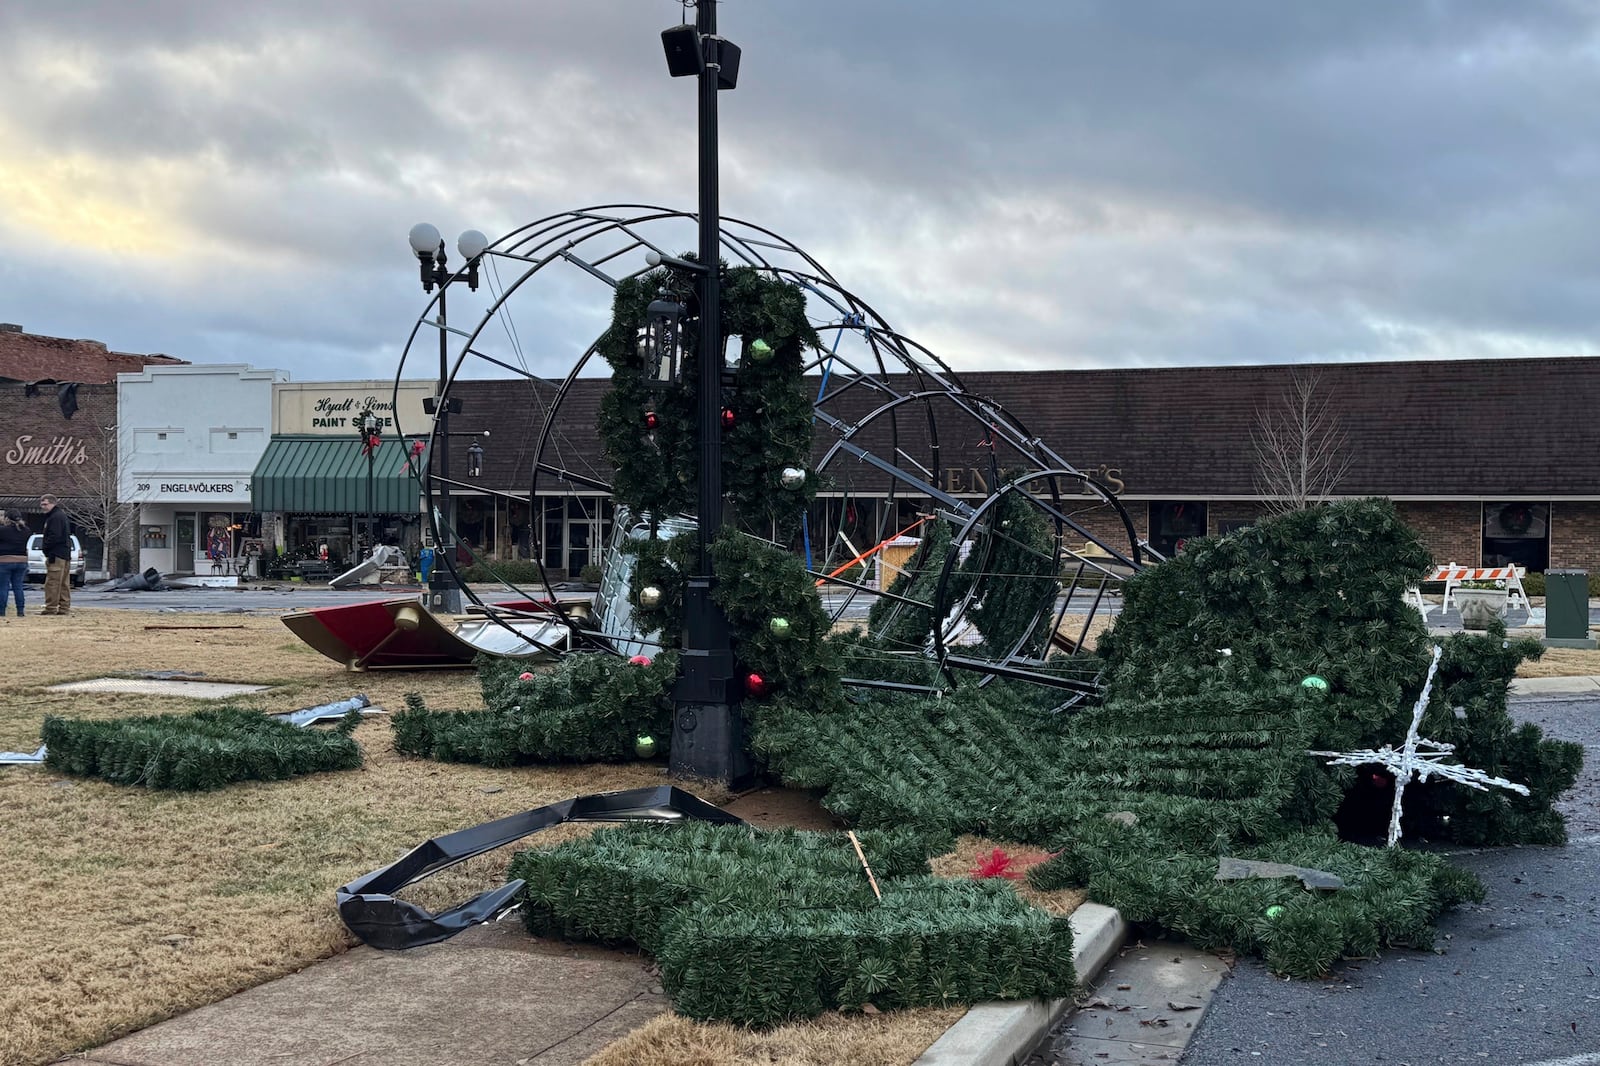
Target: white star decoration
(1424,764)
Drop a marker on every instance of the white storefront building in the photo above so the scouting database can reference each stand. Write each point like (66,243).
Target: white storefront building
(190,438)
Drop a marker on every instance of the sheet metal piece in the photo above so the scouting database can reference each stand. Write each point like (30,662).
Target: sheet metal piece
(370,911)
(1232,869)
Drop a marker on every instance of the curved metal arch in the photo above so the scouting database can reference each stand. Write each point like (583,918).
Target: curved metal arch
(928,380)
(980,518)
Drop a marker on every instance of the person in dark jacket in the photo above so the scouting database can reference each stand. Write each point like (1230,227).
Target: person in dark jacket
(13,559)
(57,548)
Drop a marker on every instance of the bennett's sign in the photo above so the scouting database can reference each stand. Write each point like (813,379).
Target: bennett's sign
(972,481)
(28,450)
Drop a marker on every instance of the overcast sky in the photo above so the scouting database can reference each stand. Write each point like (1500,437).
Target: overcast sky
(1050,183)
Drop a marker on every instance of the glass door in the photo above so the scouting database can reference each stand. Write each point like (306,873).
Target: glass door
(583,533)
(183,554)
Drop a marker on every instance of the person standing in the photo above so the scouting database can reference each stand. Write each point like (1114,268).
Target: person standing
(13,559)
(57,557)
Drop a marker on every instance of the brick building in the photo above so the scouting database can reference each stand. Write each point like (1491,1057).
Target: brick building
(58,434)
(1491,461)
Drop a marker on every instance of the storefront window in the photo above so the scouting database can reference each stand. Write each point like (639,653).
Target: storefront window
(1173,522)
(1517,534)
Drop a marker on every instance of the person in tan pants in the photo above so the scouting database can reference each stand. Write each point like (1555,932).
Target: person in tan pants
(57,549)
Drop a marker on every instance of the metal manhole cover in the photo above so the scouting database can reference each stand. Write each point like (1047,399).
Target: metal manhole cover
(197,690)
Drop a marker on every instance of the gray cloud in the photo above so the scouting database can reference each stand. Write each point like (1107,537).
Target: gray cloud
(1027,183)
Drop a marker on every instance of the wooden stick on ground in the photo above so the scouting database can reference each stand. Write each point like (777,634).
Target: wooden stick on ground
(194,627)
(863,857)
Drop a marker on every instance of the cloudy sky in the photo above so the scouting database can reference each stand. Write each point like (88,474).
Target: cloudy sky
(1015,184)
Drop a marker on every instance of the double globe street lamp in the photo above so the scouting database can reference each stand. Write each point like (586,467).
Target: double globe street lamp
(433,265)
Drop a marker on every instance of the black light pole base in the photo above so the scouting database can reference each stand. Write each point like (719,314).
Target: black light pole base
(708,744)
(444,598)
(707,727)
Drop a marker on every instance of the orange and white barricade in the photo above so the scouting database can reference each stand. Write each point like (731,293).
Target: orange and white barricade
(1453,575)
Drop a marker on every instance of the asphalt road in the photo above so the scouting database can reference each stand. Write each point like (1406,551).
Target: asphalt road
(253,599)
(1515,981)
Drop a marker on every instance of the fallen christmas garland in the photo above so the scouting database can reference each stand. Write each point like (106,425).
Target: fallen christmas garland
(200,751)
(758,927)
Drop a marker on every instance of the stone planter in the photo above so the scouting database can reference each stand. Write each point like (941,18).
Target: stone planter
(1479,607)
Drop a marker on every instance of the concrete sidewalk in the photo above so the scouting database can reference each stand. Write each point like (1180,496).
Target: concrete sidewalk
(491,995)
(1554,687)
(494,995)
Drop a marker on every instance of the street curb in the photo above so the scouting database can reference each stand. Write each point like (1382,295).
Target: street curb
(1534,688)
(1002,1034)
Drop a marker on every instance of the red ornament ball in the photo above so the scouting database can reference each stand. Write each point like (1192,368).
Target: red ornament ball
(727,418)
(640,660)
(651,420)
(755,685)
(524,676)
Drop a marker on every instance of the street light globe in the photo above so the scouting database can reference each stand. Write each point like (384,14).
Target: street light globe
(424,238)
(471,243)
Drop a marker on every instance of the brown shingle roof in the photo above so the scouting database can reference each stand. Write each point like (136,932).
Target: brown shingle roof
(1453,428)
(31,357)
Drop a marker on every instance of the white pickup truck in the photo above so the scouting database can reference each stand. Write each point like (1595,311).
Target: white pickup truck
(36,559)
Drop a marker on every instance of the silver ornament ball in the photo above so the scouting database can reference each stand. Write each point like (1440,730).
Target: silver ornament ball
(649,596)
(792,477)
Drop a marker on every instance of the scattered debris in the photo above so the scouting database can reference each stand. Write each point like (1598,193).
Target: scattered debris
(1231,869)
(196,627)
(329,711)
(22,758)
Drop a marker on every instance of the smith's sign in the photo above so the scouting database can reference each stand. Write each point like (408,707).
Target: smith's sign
(59,451)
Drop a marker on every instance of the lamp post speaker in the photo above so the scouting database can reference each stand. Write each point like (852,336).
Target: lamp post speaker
(685,59)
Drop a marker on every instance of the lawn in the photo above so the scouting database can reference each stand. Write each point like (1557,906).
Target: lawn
(140,905)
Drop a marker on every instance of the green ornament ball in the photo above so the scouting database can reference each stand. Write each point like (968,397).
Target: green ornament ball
(1276,911)
(1320,684)
(779,626)
(760,350)
(644,745)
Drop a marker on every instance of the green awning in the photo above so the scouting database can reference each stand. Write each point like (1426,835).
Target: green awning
(328,475)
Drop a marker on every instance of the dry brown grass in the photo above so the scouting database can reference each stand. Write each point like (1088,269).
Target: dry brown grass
(1563,662)
(140,905)
(1072,626)
(891,1039)
(960,861)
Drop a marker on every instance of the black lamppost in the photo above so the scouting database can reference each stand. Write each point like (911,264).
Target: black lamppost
(444,593)
(371,437)
(707,732)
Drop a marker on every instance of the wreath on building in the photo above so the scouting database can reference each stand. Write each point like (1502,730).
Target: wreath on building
(1516,518)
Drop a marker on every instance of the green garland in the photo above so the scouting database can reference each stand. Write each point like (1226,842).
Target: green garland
(1320,592)
(756,928)
(1202,745)
(587,708)
(657,472)
(191,752)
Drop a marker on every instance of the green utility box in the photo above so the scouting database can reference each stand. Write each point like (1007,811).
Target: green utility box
(1566,609)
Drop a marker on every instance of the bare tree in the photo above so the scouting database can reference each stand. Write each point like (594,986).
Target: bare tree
(98,510)
(1302,450)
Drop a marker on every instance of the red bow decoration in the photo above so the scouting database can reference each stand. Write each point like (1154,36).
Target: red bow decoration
(370,444)
(1012,867)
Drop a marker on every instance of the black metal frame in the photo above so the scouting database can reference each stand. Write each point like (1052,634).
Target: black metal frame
(368,907)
